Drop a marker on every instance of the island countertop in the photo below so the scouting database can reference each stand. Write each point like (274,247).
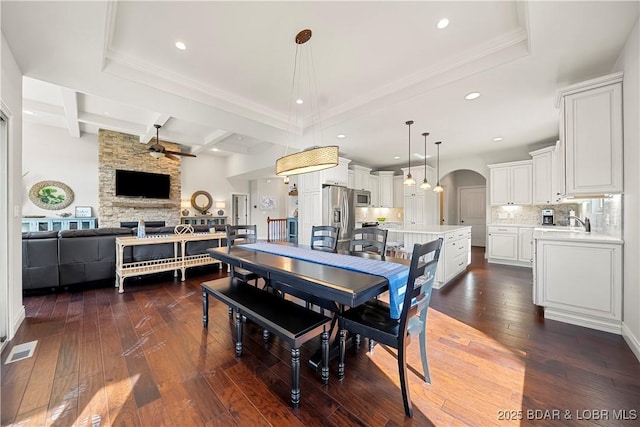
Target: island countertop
(571,235)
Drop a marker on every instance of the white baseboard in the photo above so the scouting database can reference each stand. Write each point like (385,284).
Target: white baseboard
(509,262)
(632,340)
(20,316)
(612,326)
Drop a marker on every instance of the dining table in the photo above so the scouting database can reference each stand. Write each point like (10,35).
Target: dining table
(331,281)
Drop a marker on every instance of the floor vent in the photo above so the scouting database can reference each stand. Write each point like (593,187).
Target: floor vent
(21,351)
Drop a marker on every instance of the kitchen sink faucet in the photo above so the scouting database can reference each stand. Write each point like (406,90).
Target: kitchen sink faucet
(586,223)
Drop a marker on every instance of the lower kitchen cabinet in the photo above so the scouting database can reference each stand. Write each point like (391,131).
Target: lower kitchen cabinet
(510,245)
(580,283)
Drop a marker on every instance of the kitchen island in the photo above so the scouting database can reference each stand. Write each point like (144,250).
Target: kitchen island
(455,254)
(577,277)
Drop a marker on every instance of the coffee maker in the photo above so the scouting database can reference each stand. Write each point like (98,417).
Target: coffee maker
(547,217)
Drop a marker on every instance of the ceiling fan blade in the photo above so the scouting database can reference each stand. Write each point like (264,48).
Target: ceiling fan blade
(170,156)
(179,153)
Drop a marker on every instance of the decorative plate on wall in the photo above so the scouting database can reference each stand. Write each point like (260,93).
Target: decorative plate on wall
(51,195)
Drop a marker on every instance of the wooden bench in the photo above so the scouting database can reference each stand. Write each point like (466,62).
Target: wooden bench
(289,321)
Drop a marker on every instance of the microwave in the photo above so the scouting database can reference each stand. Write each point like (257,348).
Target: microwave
(361,198)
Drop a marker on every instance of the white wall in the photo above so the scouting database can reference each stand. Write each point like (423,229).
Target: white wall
(628,62)
(207,173)
(11,104)
(51,154)
(272,188)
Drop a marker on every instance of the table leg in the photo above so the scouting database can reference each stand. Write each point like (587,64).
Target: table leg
(120,285)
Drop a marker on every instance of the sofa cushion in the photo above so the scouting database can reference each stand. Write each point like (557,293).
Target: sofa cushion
(40,259)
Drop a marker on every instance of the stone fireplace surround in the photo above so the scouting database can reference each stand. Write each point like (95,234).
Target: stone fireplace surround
(122,151)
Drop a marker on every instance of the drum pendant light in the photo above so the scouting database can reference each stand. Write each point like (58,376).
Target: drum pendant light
(409,180)
(315,158)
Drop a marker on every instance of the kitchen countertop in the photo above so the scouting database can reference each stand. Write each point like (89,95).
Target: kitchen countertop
(432,229)
(573,234)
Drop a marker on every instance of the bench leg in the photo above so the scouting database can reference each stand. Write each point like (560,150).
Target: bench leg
(230,312)
(205,308)
(343,349)
(325,357)
(265,335)
(238,334)
(295,377)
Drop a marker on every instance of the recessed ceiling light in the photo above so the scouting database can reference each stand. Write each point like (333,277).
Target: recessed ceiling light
(396,157)
(472,95)
(498,138)
(341,136)
(181,45)
(299,101)
(443,23)
(31,113)
(106,113)
(215,149)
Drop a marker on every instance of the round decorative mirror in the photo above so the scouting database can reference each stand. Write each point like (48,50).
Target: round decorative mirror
(202,201)
(51,195)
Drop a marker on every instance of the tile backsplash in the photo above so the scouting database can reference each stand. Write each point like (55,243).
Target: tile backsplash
(371,214)
(605,214)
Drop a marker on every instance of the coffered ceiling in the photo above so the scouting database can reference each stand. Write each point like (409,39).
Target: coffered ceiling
(376,65)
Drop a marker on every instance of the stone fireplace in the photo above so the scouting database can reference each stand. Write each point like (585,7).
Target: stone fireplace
(122,151)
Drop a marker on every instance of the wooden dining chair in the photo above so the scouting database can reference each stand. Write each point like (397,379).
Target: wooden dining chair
(239,234)
(373,320)
(369,239)
(325,238)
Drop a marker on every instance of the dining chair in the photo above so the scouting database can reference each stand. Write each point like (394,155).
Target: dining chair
(369,239)
(373,318)
(238,234)
(325,238)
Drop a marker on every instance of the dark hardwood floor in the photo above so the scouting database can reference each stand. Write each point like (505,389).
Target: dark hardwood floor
(143,359)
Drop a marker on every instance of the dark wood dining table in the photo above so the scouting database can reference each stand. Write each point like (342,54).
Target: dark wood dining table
(330,287)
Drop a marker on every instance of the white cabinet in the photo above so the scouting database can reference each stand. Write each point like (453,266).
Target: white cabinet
(591,130)
(361,177)
(580,283)
(398,191)
(525,244)
(503,243)
(57,224)
(558,189)
(309,214)
(414,210)
(385,188)
(374,185)
(511,183)
(351,179)
(457,253)
(338,175)
(543,176)
(418,176)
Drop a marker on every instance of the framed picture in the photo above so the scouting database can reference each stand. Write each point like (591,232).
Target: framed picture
(83,211)
(268,202)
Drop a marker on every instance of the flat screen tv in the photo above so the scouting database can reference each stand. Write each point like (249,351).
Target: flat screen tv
(142,184)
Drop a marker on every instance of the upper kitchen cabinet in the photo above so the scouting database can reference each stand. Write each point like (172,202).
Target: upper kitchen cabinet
(543,176)
(374,187)
(338,175)
(398,191)
(385,189)
(361,177)
(591,132)
(511,183)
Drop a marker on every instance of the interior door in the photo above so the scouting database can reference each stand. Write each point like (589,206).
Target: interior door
(473,206)
(240,209)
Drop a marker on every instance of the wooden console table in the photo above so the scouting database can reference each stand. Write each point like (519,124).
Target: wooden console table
(179,261)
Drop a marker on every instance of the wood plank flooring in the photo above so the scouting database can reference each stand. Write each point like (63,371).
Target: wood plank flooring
(143,359)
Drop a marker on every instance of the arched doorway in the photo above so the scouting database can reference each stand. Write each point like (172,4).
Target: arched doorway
(463,202)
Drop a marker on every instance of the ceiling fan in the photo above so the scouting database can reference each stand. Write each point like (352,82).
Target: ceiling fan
(157,150)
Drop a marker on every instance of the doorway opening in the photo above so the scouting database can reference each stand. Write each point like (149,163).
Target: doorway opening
(464,203)
(239,209)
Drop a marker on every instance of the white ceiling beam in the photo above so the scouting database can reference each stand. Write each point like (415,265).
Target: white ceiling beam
(211,140)
(42,107)
(70,104)
(111,123)
(158,119)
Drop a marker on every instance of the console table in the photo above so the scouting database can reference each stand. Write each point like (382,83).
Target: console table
(179,261)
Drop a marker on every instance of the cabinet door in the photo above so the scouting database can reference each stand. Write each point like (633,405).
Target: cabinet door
(338,175)
(352,179)
(593,138)
(542,175)
(521,185)
(558,172)
(386,194)
(374,183)
(525,243)
(499,186)
(503,246)
(398,192)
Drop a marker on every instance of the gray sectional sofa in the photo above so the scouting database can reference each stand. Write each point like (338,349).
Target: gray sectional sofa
(52,259)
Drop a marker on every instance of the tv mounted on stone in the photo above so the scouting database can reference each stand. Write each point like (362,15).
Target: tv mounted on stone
(142,184)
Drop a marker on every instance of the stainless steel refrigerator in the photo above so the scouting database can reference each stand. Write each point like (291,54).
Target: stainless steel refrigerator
(338,209)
